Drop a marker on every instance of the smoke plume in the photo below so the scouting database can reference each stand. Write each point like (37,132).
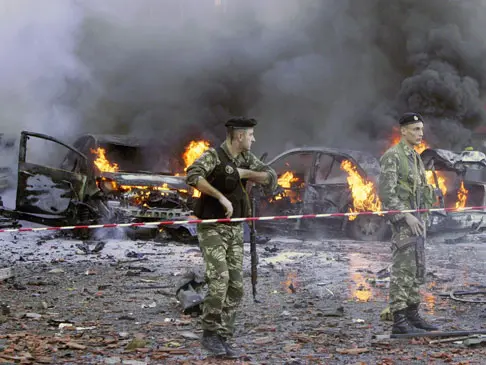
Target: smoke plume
(313,72)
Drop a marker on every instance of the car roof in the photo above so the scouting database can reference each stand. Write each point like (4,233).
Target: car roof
(123,140)
(365,160)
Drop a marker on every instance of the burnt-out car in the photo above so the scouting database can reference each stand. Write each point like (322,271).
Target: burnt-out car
(99,179)
(325,180)
(315,180)
(458,181)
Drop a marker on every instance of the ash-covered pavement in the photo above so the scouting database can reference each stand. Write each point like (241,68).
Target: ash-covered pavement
(321,301)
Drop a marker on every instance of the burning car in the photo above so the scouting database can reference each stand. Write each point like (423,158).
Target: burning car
(325,180)
(457,177)
(99,179)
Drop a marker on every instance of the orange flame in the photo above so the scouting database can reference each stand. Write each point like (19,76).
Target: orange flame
(363,192)
(193,151)
(440,180)
(290,284)
(461,196)
(159,188)
(362,291)
(288,181)
(102,162)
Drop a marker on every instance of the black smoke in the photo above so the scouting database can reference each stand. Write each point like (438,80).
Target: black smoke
(334,72)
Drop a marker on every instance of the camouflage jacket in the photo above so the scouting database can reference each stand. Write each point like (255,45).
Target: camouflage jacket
(397,191)
(206,163)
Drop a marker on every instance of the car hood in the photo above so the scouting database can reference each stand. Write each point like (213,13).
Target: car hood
(147,179)
(445,160)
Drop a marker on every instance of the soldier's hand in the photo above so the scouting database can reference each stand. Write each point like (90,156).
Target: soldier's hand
(415,225)
(228,207)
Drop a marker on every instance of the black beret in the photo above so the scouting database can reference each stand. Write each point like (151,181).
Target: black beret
(241,122)
(410,118)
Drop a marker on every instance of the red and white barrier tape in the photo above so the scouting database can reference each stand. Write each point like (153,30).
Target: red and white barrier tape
(230,220)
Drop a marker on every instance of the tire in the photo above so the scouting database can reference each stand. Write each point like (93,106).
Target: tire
(368,228)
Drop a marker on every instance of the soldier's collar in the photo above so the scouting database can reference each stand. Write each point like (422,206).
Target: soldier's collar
(226,150)
(406,148)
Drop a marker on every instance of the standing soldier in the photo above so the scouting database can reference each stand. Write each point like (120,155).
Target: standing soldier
(403,185)
(217,174)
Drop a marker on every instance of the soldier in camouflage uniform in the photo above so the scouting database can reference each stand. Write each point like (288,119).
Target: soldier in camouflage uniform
(218,174)
(403,185)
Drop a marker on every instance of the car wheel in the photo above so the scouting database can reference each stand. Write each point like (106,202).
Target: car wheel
(368,228)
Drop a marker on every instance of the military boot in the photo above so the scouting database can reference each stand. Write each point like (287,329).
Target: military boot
(414,318)
(401,325)
(212,343)
(231,352)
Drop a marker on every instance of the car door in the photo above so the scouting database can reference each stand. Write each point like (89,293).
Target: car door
(42,189)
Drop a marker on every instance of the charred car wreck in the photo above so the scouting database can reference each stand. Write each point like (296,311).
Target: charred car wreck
(324,180)
(100,179)
(457,178)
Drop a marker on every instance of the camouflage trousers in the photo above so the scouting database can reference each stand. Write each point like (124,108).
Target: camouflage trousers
(408,268)
(222,248)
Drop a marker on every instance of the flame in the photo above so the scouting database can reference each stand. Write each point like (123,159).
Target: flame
(428,298)
(288,181)
(102,162)
(138,187)
(360,288)
(421,147)
(290,284)
(362,291)
(440,180)
(461,196)
(193,151)
(363,192)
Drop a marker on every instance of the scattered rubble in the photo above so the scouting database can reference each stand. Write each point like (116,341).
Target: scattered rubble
(320,303)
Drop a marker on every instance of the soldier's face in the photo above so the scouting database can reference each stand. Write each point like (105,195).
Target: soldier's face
(246,139)
(413,133)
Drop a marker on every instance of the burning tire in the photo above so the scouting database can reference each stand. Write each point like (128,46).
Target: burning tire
(368,228)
